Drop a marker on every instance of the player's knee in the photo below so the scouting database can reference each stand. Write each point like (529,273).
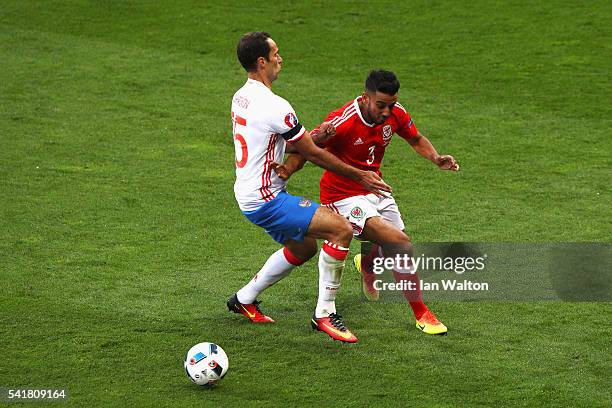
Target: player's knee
(405,242)
(344,232)
(397,244)
(407,237)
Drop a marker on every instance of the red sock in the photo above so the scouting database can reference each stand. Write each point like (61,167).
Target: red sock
(292,259)
(367,261)
(412,296)
(336,251)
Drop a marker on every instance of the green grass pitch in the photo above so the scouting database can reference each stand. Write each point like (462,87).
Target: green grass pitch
(120,238)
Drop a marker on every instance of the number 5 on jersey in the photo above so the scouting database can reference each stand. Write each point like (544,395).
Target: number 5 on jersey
(240,144)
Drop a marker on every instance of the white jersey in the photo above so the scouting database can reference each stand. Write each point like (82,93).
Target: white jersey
(262,122)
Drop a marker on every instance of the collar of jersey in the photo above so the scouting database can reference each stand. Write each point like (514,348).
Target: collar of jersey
(356,103)
(257,83)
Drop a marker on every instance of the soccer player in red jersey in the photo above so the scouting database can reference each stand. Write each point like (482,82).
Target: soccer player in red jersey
(364,128)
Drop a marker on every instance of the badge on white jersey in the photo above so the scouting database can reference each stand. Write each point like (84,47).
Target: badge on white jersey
(291,120)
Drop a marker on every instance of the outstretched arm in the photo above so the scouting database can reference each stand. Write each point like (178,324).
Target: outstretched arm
(322,158)
(295,161)
(319,135)
(423,146)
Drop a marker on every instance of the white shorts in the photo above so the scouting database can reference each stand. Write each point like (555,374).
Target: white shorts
(358,209)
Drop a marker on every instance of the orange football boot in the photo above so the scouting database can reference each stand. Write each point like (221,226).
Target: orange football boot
(334,327)
(251,311)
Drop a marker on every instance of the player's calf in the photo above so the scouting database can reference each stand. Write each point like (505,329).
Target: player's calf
(302,251)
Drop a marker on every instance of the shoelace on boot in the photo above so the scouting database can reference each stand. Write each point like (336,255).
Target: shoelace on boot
(336,321)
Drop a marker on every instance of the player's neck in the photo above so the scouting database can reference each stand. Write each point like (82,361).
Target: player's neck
(258,76)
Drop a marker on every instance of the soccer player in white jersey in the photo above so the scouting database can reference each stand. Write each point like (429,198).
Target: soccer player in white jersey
(263,123)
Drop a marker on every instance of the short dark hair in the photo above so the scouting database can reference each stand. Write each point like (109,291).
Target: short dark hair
(252,46)
(382,81)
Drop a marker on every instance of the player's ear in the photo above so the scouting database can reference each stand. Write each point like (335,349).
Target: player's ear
(261,62)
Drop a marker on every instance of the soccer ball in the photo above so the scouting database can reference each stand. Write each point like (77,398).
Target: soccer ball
(206,364)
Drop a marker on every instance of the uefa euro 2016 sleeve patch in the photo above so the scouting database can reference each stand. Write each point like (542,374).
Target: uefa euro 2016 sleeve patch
(292,121)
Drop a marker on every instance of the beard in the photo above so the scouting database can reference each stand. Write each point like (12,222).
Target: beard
(380,120)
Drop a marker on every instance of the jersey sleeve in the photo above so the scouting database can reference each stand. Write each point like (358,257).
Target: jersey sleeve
(406,128)
(284,121)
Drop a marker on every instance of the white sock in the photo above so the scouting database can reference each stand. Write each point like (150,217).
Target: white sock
(331,264)
(275,269)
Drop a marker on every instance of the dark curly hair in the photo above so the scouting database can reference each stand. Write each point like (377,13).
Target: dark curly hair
(382,81)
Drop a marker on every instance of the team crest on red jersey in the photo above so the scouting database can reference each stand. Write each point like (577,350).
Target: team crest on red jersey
(291,120)
(387,132)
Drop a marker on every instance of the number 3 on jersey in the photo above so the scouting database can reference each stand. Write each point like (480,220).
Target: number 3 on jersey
(371,154)
(240,144)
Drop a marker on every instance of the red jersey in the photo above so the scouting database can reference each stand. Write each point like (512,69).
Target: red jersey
(360,144)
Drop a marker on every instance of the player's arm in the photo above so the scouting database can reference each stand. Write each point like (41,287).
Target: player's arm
(322,158)
(425,148)
(319,136)
(295,161)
